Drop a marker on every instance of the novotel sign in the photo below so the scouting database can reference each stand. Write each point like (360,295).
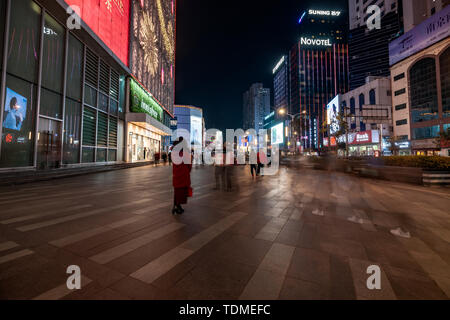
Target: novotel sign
(324,13)
(315,42)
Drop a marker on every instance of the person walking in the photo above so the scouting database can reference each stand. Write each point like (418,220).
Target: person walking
(181,182)
(219,170)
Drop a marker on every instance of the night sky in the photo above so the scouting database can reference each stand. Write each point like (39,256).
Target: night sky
(225,46)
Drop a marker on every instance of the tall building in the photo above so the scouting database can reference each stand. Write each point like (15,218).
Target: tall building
(80,96)
(318,69)
(420,77)
(369,49)
(256,106)
(417,11)
(281,85)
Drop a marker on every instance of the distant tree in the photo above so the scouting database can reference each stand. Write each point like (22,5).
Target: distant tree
(443,140)
(343,129)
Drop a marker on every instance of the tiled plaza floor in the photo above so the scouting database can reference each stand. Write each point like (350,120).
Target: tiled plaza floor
(281,237)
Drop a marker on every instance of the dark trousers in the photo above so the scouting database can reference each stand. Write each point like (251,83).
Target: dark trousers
(254,169)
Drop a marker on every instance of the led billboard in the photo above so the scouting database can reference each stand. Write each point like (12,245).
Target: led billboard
(332,113)
(277,134)
(153,47)
(109,20)
(196,131)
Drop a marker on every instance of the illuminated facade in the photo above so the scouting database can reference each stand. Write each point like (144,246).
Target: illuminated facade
(319,70)
(62,90)
(152,56)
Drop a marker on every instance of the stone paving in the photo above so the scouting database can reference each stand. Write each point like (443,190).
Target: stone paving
(301,234)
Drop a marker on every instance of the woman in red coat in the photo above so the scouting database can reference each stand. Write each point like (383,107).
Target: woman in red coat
(181,182)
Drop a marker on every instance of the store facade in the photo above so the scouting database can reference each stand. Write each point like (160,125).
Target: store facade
(62,90)
(365,144)
(146,124)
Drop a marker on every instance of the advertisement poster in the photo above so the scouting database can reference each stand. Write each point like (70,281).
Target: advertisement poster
(196,131)
(15,110)
(424,35)
(109,20)
(277,134)
(332,113)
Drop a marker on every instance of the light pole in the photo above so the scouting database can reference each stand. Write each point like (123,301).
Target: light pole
(283,112)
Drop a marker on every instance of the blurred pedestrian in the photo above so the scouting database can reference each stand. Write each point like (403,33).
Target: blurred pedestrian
(219,170)
(181,182)
(164,157)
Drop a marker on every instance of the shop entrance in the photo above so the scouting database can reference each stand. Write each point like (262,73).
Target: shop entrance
(49,144)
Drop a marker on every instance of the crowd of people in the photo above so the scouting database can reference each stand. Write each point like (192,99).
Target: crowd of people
(225,163)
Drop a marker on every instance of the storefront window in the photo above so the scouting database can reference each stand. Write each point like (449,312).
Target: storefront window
(24,35)
(72,124)
(74,68)
(51,104)
(18,123)
(424,104)
(88,155)
(2,29)
(53,55)
(101,155)
(445,82)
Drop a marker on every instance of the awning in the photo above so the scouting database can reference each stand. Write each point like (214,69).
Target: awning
(145,121)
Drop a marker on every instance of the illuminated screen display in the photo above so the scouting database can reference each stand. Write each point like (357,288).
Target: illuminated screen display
(15,110)
(109,20)
(277,134)
(332,113)
(153,48)
(196,131)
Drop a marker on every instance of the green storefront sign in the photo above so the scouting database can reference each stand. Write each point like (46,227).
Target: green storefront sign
(143,102)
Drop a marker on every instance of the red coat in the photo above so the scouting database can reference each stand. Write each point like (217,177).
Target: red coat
(182,175)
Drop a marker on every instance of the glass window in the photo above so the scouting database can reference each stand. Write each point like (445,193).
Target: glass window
(112,155)
(18,123)
(102,130)
(88,155)
(2,29)
(445,82)
(362,101)
(90,96)
(103,102)
(101,155)
(53,55)
(424,104)
(89,126)
(113,106)
(426,133)
(72,125)
(51,104)
(24,35)
(352,106)
(74,68)
(112,132)
(122,97)
(372,97)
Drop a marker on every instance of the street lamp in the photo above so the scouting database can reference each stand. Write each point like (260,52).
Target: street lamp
(283,112)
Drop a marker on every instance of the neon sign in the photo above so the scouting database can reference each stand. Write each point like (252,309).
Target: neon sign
(315,42)
(324,13)
(278,64)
